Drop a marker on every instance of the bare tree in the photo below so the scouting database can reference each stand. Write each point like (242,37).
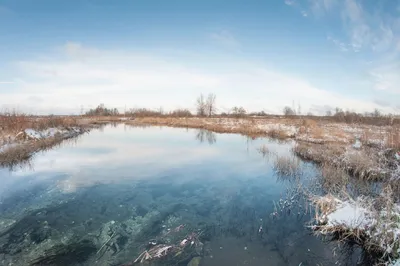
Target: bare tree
(376,113)
(210,105)
(238,111)
(201,106)
(288,111)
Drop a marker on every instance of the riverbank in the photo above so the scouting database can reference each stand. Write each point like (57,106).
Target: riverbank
(22,136)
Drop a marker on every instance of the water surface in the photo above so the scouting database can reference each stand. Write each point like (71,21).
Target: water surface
(116,192)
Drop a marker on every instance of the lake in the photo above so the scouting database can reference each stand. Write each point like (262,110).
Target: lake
(188,197)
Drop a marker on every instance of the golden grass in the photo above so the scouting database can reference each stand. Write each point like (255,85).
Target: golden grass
(287,166)
(16,123)
(278,133)
(362,165)
(18,153)
(392,139)
(333,179)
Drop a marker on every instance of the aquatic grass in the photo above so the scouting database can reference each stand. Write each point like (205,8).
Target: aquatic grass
(333,179)
(265,151)
(287,166)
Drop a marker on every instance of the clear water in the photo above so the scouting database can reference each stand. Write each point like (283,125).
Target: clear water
(102,199)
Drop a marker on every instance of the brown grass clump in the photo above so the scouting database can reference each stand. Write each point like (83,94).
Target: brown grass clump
(278,133)
(393,138)
(288,166)
(319,153)
(22,152)
(13,155)
(308,123)
(323,207)
(53,122)
(362,165)
(334,179)
(14,122)
(317,132)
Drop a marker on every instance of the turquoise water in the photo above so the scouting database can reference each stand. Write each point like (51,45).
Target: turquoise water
(114,193)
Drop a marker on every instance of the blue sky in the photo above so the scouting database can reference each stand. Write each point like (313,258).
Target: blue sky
(58,56)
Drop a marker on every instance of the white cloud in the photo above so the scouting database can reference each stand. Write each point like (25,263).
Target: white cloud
(320,7)
(290,2)
(387,77)
(226,39)
(135,80)
(374,33)
(341,45)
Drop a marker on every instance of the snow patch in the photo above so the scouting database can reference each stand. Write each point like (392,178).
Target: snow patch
(383,228)
(350,215)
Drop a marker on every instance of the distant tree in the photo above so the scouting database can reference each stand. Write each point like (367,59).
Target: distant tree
(238,111)
(180,113)
(377,113)
(310,114)
(101,110)
(201,106)
(288,111)
(328,113)
(211,108)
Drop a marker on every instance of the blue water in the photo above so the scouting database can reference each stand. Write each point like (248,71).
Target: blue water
(114,193)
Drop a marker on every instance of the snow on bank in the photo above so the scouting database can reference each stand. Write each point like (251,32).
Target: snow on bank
(350,215)
(34,135)
(381,227)
(50,132)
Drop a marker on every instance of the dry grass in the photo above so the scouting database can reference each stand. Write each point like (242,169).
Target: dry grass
(392,139)
(18,153)
(18,122)
(278,133)
(333,179)
(287,166)
(323,207)
(362,165)
(319,153)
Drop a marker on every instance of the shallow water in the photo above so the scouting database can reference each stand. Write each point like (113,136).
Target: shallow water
(101,199)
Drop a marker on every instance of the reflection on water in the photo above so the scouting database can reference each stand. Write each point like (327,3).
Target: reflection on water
(156,195)
(203,135)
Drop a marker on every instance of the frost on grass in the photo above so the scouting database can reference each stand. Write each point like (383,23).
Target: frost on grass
(358,219)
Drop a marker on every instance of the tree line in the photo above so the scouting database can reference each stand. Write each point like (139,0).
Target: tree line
(206,106)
